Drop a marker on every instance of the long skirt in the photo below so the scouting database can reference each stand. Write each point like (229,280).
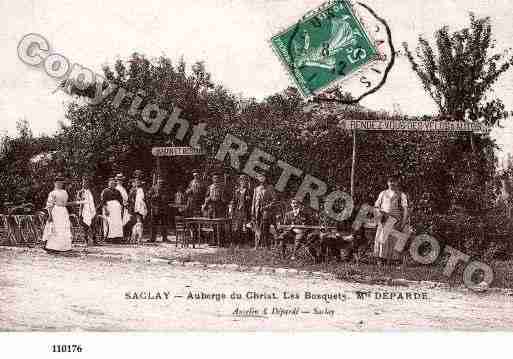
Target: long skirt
(114,220)
(57,233)
(384,243)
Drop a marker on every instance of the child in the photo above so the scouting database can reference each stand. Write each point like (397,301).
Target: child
(137,230)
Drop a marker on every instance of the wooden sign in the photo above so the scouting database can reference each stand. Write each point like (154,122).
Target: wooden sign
(176,151)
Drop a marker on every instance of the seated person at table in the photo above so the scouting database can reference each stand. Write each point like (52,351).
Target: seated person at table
(297,216)
(336,238)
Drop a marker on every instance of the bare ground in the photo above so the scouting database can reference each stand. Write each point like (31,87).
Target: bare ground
(85,293)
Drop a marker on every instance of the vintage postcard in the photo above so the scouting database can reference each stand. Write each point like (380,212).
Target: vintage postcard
(253,165)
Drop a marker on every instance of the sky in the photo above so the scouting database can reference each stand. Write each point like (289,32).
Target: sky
(232,37)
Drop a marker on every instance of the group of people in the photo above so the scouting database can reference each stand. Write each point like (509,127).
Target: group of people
(324,236)
(253,213)
(120,208)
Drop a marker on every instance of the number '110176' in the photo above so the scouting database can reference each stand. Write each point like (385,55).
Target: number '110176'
(70,348)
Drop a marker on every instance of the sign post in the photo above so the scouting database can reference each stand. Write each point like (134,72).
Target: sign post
(353,164)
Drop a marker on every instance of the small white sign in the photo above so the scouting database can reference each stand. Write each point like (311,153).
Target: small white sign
(394,125)
(176,151)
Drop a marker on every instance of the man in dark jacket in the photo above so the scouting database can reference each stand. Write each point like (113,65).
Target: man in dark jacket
(216,204)
(195,195)
(158,210)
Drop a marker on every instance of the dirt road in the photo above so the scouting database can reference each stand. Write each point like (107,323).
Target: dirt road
(81,293)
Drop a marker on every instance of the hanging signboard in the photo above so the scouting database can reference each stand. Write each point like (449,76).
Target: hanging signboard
(176,151)
(395,125)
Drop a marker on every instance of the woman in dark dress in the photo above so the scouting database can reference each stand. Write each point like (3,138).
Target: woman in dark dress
(112,205)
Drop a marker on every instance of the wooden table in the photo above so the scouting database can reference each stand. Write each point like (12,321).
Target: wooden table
(218,223)
(179,206)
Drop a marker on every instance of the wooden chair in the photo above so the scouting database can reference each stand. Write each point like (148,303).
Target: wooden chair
(100,228)
(208,232)
(4,231)
(21,229)
(183,234)
(39,222)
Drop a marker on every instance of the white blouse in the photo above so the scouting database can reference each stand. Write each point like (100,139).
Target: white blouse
(388,201)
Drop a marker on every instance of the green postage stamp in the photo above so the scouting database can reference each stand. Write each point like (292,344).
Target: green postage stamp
(325,47)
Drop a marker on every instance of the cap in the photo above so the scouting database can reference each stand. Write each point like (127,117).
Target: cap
(119,176)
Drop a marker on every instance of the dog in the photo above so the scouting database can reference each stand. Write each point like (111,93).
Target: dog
(137,233)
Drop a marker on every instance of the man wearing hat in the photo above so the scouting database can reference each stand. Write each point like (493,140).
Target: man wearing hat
(240,208)
(216,202)
(195,193)
(264,198)
(124,194)
(158,210)
(136,204)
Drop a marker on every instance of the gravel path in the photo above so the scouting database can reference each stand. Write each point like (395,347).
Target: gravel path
(81,293)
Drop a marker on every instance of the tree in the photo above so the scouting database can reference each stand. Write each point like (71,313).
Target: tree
(103,139)
(459,75)
(18,182)
(461,72)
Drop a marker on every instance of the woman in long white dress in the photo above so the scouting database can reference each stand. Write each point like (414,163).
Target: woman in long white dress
(391,203)
(57,231)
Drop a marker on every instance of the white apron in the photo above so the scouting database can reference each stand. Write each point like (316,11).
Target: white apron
(88,209)
(114,220)
(140,205)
